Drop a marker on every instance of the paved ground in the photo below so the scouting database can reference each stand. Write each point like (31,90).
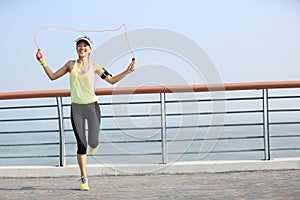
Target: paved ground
(242,185)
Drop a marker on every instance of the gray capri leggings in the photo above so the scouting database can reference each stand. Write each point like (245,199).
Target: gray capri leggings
(91,113)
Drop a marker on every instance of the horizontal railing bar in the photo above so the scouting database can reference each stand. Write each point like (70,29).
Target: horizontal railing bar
(223,151)
(283,136)
(121,103)
(194,139)
(176,114)
(120,154)
(284,97)
(32,144)
(214,125)
(175,127)
(284,110)
(27,107)
(153,115)
(131,141)
(213,113)
(221,138)
(121,142)
(285,149)
(209,100)
(178,101)
(28,119)
(129,103)
(127,129)
(122,116)
(177,140)
(283,123)
(22,132)
(44,156)
(132,116)
(120,129)
(157,89)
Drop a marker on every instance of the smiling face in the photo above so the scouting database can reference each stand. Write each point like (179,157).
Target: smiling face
(83,49)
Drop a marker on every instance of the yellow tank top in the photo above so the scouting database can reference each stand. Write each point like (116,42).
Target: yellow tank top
(82,85)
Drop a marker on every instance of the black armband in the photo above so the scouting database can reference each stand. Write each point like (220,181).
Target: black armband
(105,74)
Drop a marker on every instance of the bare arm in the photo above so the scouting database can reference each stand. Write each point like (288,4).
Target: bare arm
(53,75)
(59,73)
(114,79)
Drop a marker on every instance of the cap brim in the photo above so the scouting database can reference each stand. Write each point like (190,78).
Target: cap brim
(84,39)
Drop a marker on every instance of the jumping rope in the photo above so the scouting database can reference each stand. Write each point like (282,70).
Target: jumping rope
(80,31)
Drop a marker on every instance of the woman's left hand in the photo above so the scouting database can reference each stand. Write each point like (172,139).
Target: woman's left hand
(131,66)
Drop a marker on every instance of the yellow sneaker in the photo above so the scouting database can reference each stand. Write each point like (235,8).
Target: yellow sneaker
(83,184)
(94,150)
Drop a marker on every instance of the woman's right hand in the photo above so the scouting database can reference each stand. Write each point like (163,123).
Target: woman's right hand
(39,55)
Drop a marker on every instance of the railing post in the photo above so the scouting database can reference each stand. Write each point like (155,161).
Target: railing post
(61,132)
(266,127)
(163,127)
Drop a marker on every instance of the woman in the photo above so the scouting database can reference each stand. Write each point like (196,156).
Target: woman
(84,101)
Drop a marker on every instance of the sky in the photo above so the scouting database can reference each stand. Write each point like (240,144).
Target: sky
(247,40)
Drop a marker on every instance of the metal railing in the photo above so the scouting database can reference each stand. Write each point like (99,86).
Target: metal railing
(261,121)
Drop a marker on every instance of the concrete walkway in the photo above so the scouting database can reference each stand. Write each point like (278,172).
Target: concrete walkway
(235,185)
(193,167)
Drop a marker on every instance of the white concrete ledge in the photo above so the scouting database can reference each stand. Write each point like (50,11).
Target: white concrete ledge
(148,169)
